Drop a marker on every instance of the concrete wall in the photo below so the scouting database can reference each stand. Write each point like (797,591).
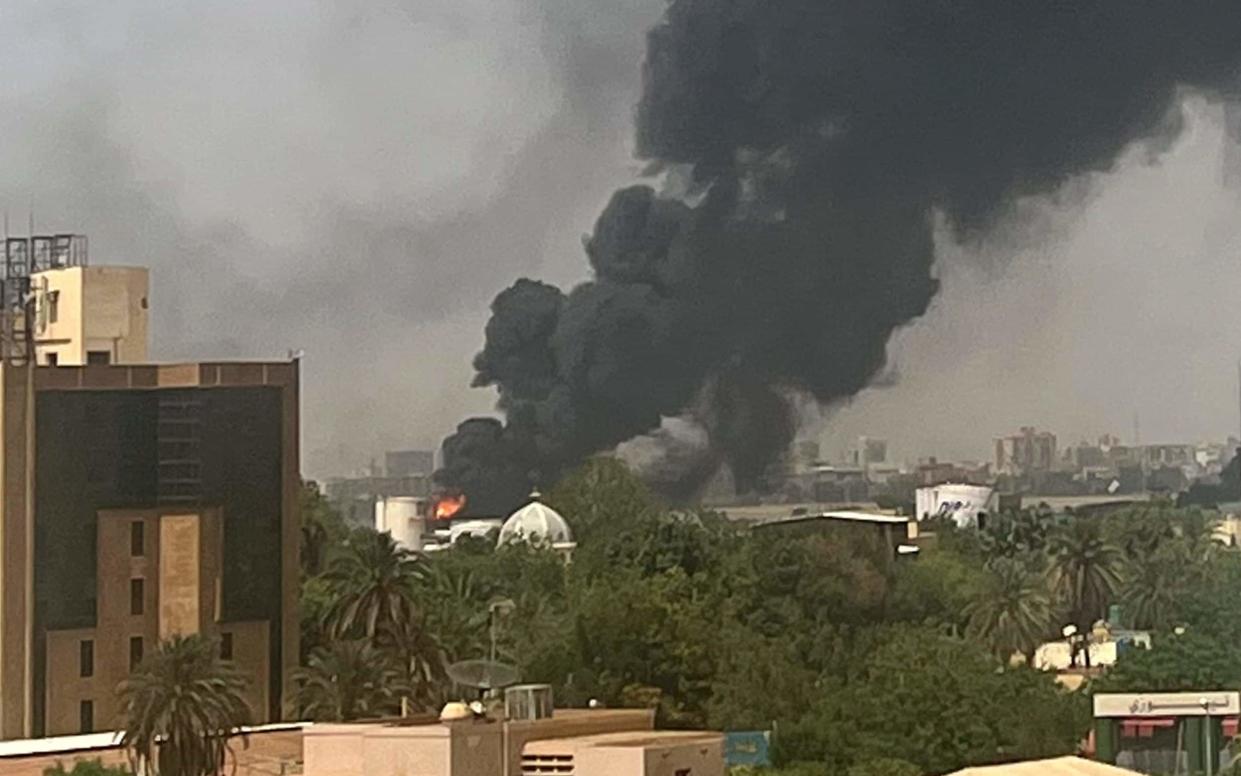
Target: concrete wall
(16,549)
(634,753)
(33,663)
(251,648)
(164,610)
(466,748)
(102,309)
(180,566)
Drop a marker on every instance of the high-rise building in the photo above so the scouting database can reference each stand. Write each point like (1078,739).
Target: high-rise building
(1029,451)
(138,502)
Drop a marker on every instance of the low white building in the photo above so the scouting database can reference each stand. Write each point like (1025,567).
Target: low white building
(963,503)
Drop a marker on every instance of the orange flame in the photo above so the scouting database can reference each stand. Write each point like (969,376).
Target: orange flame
(447,506)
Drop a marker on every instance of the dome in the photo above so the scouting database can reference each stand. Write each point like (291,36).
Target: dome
(536,523)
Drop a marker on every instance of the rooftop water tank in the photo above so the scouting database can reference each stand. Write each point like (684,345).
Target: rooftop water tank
(528,701)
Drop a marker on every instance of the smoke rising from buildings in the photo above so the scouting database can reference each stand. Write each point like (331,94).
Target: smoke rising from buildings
(820,140)
(351,179)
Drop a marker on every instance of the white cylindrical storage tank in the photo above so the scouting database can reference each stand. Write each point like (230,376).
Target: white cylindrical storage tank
(401,516)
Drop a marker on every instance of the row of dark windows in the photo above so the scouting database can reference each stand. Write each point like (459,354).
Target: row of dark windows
(86,653)
(86,669)
(93,357)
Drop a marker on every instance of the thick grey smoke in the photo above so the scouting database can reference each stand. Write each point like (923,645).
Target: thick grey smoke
(353,179)
(821,138)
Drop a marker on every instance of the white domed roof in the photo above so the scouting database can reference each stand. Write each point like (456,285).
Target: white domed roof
(536,523)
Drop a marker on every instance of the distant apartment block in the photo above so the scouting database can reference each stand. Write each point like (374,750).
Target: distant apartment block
(406,476)
(409,463)
(868,450)
(1028,451)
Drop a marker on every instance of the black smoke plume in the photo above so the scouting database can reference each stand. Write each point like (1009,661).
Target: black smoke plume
(805,147)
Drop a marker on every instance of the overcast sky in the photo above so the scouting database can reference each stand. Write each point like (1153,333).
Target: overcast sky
(358,179)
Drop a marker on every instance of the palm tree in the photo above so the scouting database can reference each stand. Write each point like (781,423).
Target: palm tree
(1013,613)
(322,527)
(1085,571)
(348,680)
(372,584)
(1158,576)
(421,663)
(181,707)
(1154,584)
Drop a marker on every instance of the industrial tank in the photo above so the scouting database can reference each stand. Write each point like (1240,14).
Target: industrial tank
(402,517)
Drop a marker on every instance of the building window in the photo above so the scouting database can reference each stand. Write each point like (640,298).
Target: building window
(98,357)
(137,598)
(53,359)
(137,539)
(135,652)
(53,306)
(226,646)
(86,658)
(86,716)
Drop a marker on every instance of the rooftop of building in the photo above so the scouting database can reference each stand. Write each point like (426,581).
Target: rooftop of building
(201,374)
(627,738)
(1059,766)
(271,749)
(847,516)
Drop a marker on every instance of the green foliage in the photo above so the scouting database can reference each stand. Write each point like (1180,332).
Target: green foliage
(181,707)
(885,766)
(1012,612)
(937,588)
(87,768)
(348,680)
(936,701)
(323,529)
(860,666)
(1022,536)
(600,498)
(1086,570)
(792,769)
(1176,663)
(371,584)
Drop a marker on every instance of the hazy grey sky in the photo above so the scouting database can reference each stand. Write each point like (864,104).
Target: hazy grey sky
(358,179)
(1120,296)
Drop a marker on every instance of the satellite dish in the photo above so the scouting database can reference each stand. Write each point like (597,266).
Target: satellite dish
(483,674)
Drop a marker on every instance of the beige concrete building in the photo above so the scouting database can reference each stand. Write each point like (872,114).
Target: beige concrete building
(137,502)
(95,315)
(268,750)
(581,742)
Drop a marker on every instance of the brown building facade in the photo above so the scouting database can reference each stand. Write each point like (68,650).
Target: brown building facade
(139,502)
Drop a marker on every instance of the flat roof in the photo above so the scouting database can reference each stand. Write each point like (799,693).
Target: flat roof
(203,374)
(624,738)
(873,518)
(1060,766)
(28,747)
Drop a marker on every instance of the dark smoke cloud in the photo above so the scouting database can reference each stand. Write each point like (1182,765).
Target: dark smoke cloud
(319,174)
(820,138)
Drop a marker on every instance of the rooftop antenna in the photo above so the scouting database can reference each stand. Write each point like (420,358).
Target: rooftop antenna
(1137,430)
